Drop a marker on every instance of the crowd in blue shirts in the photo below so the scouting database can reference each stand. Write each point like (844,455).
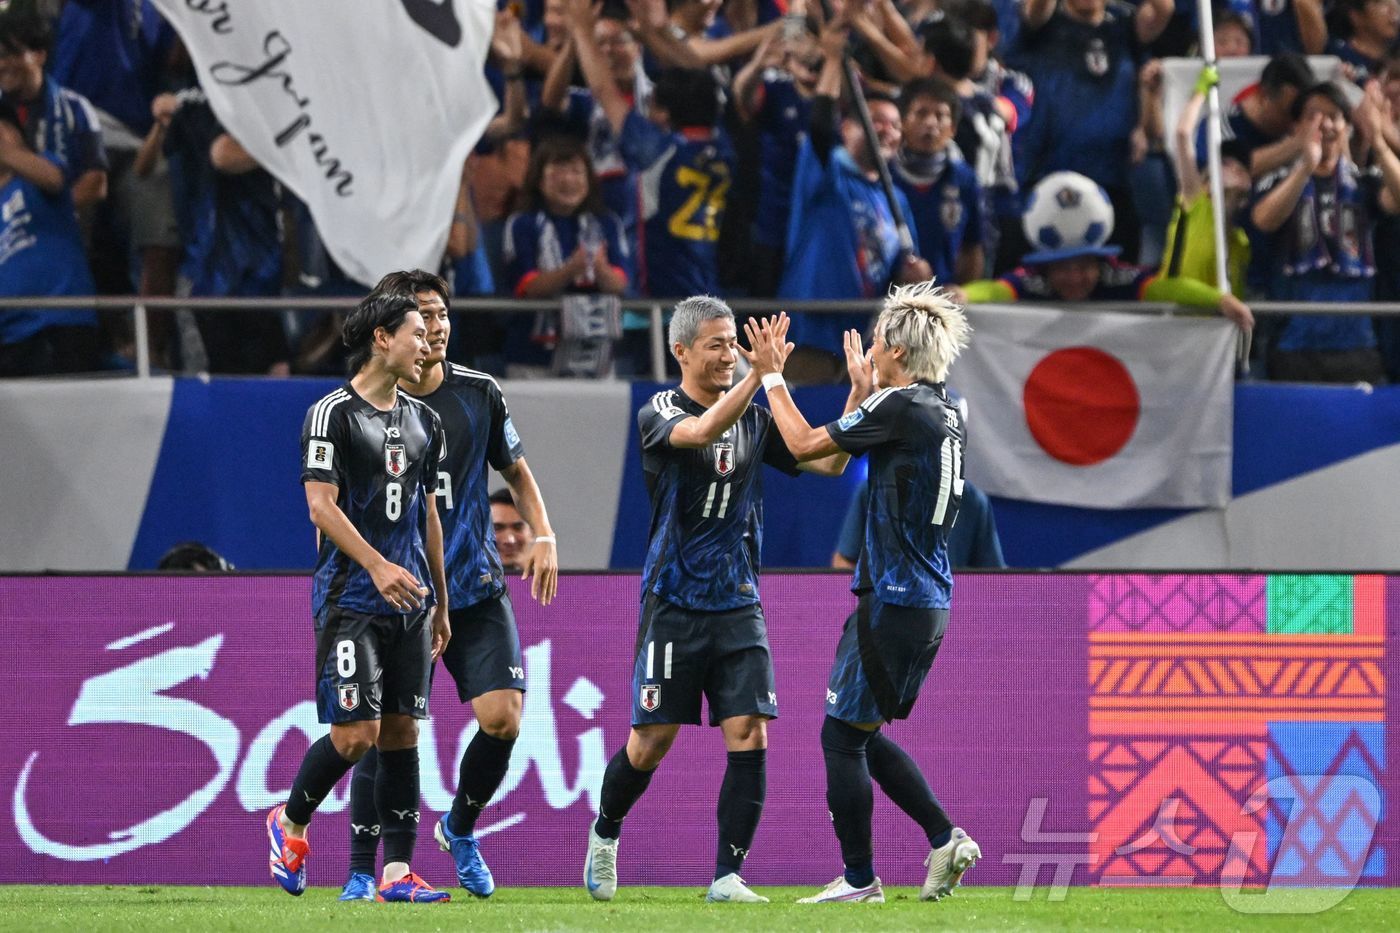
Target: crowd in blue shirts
(662,148)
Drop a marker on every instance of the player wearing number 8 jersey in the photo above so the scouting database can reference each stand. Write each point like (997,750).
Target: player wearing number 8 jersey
(702,631)
(914,437)
(370,457)
(483,657)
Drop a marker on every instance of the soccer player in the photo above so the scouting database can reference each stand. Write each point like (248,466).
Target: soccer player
(702,628)
(483,656)
(514,536)
(370,467)
(915,438)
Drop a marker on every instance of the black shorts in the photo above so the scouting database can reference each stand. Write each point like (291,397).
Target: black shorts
(484,651)
(368,666)
(881,662)
(682,654)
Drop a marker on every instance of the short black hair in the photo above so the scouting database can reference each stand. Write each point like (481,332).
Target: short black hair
(1228,17)
(1288,69)
(690,95)
(501,496)
(25,30)
(1235,149)
(194,555)
(980,15)
(952,45)
(386,309)
(1327,89)
(936,88)
(413,281)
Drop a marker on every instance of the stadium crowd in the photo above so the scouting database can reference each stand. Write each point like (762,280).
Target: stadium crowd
(665,148)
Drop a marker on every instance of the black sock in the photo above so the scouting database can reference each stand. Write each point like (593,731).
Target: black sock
(900,778)
(623,785)
(396,797)
(364,815)
(322,767)
(484,766)
(849,797)
(740,806)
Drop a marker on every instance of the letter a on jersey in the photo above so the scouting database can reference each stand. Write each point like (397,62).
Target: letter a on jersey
(651,697)
(724,459)
(395,461)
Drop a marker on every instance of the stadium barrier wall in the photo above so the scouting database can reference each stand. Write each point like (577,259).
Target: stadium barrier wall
(107,475)
(1094,729)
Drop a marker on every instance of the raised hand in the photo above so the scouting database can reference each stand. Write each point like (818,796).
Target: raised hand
(860,365)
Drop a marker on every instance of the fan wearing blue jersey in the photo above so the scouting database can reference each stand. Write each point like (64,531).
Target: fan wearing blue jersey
(914,437)
(683,159)
(371,458)
(483,657)
(702,630)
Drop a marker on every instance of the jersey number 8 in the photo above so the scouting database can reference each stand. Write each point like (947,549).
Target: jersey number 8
(393,501)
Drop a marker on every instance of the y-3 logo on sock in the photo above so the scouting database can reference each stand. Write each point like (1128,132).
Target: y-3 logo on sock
(356,828)
(478,804)
(406,814)
(738,852)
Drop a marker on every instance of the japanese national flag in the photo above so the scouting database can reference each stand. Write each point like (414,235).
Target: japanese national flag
(1098,409)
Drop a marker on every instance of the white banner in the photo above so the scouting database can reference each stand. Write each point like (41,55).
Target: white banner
(1099,409)
(365,108)
(1179,82)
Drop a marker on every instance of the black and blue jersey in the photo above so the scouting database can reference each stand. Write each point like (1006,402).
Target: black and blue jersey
(915,439)
(706,505)
(479,435)
(384,464)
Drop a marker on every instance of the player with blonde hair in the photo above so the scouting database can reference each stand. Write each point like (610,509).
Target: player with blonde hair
(914,436)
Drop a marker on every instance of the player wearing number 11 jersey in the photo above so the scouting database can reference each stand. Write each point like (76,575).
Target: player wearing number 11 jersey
(914,438)
(702,630)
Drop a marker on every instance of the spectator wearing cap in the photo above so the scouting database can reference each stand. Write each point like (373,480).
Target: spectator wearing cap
(1088,269)
(1315,222)
(1084,57)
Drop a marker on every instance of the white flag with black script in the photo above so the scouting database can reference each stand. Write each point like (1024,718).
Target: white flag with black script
(365,108)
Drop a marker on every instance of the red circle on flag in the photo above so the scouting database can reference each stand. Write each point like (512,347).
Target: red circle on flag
(1081,405)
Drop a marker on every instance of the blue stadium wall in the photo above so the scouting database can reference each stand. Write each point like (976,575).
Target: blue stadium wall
(106,475)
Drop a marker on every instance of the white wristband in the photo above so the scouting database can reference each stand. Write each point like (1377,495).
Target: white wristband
(772,380)
(549,538)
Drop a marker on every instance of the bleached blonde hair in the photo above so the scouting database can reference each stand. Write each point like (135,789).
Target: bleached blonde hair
(928,324)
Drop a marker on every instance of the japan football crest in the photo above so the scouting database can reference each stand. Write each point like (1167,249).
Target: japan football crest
(651,697)
(395,460)
(349,696)
(1096,58)
(724,459)
(952,210)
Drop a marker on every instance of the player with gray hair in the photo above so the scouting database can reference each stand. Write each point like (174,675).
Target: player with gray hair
(903,581)
(702,628)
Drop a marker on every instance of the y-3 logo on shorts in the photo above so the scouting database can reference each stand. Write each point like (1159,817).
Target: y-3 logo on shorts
(517,672)
(831,696)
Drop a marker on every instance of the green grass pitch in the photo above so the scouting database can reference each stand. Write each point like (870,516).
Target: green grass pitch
(68,908)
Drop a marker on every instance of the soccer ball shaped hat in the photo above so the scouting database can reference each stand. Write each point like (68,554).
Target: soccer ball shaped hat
(1067,216)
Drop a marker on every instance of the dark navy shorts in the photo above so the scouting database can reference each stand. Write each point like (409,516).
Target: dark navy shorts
(368,666)
(881,662)
(683,654)
(484,652)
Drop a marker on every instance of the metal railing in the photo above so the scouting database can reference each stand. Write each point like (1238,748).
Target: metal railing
(654,309)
